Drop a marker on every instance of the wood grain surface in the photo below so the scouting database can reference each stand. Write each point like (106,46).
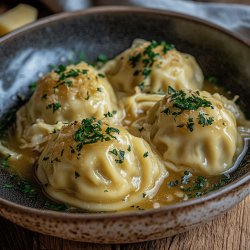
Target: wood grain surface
(230,231)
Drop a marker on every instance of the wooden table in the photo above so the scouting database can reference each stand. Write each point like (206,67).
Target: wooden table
(228,232)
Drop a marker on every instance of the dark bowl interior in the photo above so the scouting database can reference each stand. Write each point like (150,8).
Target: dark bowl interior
(26,54)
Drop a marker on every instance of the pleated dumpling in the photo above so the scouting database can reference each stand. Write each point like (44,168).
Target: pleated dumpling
(66,94)
(151,67)
(193,130)
(98,167)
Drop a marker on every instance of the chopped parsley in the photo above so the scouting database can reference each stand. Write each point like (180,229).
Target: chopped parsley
(145,154)
(91,131)
(77,174)
(44,97)
(203,120)
(54,106)
(173,183)
(121,155)
(114,152)
(182,102)
(148,57)
(108,114)
(141,86)
(5,162)
(87,97)
(102,58)
(196,186)
(101,75)
(129,148)
(57,207)
(99,89)
(135,59)
(212,79)
(32,86)
(60,69)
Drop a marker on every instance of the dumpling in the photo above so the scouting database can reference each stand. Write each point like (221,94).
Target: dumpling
(137,105)
(151,67)
(192,130)
(98,167)
(66,94)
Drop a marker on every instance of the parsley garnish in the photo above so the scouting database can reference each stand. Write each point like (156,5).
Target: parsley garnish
(44,97)
(77,174)
(182,102)
(90,132)
(135,59)
(145,154)
(32,86)
(101,75)
(202,120)
(121,155)
(54,106)
(108,114)
(60,69)
(5,162)
(173,183)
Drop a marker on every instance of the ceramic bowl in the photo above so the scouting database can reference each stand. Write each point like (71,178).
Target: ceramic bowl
(26,54)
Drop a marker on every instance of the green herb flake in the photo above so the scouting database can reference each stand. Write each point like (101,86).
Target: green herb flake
(108,114)
(141,86)
(57,207)
(145,154)
(54,106)
(212,79)
(203,120)
(87,97)
(146,72)
(8,186)
(99,89)
(5,162)
(135,59)
(77,174)
(44,97)
(85,71)
(60,69)
(173,183)
(101,75)
(114,152)
(129,148)
(121,155)
(32,86)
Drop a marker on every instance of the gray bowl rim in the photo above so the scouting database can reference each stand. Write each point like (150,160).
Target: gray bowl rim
(245,179)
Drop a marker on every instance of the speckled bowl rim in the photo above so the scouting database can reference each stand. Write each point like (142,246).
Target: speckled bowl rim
(245,179)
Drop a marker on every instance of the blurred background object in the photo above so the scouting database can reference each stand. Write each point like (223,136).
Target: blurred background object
(15,18)
(233,15)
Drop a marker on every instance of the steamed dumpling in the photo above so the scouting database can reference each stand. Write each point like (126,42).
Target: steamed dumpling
(98,167)
(67,94)
(137,105)
(193,130)
(151,67)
